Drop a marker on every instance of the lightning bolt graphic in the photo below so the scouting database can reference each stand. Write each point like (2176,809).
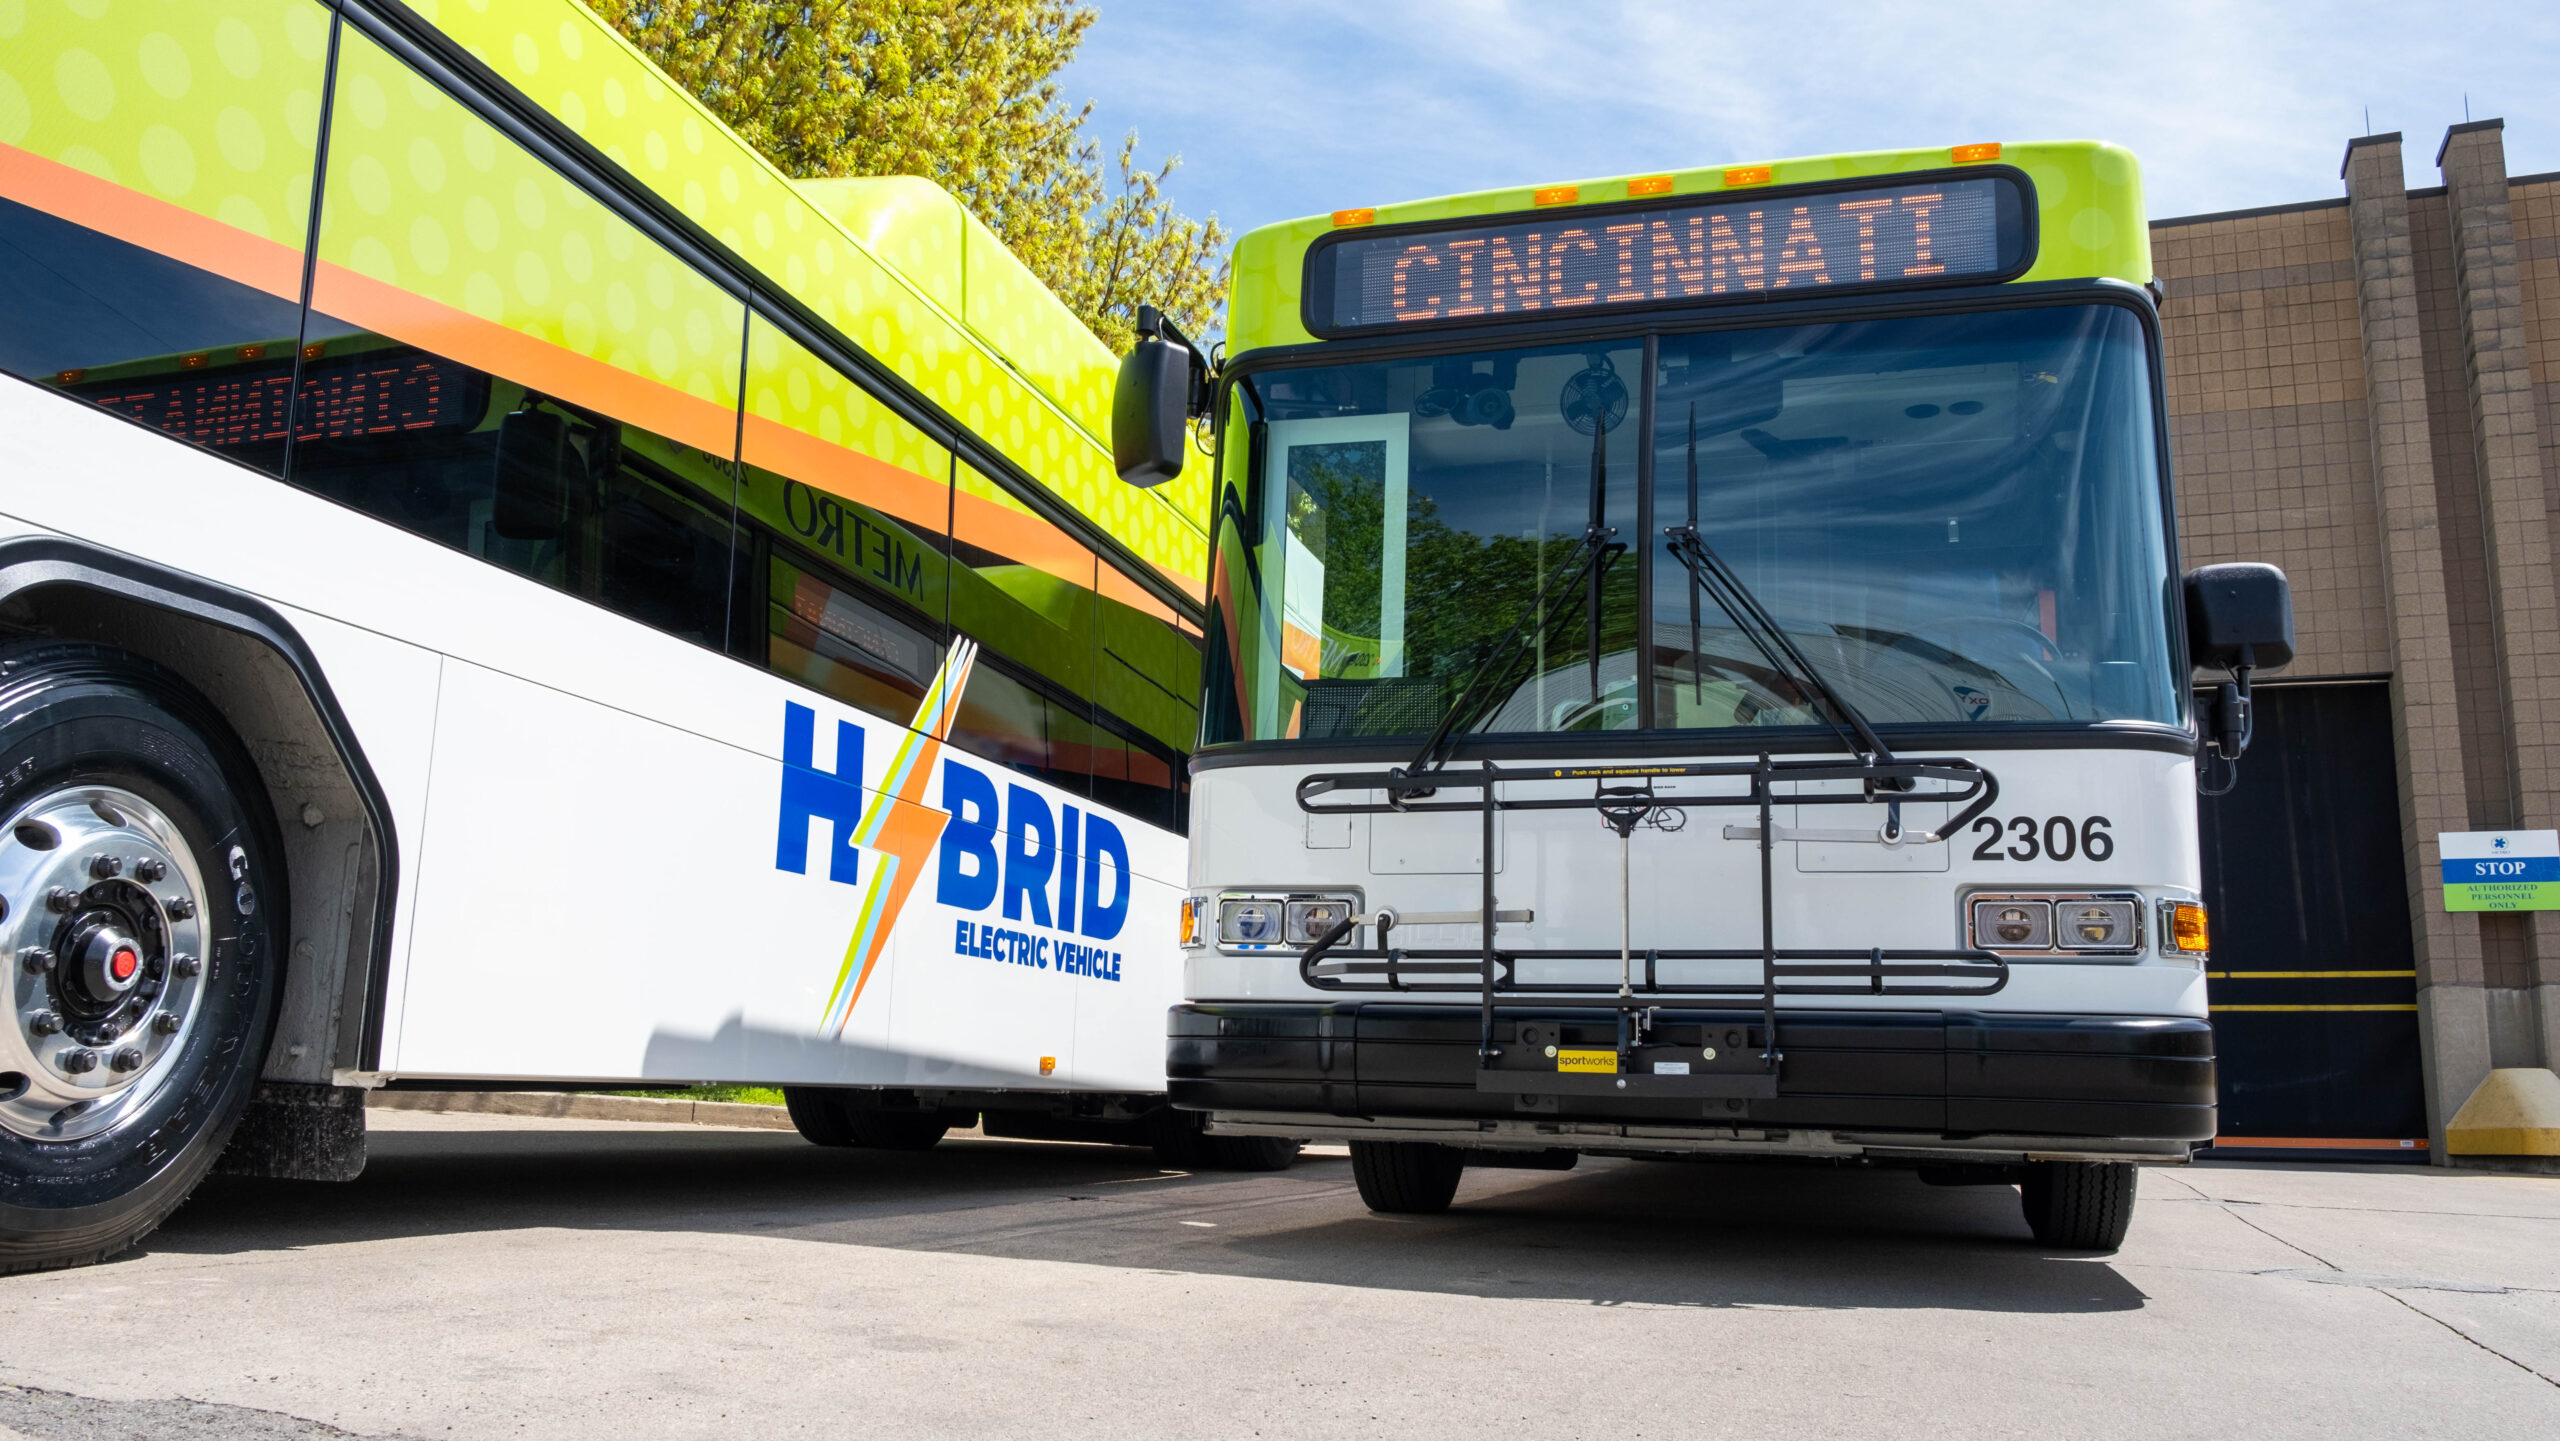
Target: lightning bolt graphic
(899,830)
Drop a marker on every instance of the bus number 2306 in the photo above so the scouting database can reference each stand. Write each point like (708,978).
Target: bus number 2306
(2057,838)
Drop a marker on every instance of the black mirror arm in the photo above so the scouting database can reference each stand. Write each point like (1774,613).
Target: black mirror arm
(1204,372)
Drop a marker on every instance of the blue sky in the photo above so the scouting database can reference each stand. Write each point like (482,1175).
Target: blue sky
(1289,109)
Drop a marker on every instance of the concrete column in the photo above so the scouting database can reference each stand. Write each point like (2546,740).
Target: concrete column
(2426,732)
(2514,503)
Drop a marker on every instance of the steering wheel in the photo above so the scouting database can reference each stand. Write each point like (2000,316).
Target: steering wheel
(2032,655)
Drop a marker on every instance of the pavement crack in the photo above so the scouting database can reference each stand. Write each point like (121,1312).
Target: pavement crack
(2474,1340)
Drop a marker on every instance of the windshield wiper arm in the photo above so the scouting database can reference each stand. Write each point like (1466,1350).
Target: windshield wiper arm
(1588,560)
(1708,572)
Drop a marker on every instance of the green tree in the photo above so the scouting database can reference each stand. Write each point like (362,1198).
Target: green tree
(964,93)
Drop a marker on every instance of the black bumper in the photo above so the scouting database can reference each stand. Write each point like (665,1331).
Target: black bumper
(1950,1074)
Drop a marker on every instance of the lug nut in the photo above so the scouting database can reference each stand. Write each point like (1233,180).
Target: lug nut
(44,1023)
(185,965)
(61,900)
(150,869)
(36,959)
(165,1023)
(105,868)
(80,1061)
(179,908)
(126,1059)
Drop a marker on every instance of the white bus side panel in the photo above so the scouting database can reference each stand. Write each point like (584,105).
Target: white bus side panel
(634,727)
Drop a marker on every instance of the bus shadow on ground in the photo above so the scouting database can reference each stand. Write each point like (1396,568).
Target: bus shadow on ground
(1608,1233)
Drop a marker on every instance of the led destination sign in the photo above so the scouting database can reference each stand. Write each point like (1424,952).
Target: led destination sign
(1733,244)
(384,392)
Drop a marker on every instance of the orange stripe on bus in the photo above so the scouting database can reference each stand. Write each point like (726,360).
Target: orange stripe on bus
(154,224)
(343,294)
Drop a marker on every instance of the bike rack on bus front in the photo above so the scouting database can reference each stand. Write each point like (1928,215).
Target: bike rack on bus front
(1493,971)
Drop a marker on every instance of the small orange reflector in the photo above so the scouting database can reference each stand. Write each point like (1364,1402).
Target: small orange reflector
(1557,194)
(2187,927)
(193,362)
(1190,921)
(253,352)
(1048,1065)
(1747,175)
(1362,216)
(1650,185)
(312,351)
(69,377)
(1968,154)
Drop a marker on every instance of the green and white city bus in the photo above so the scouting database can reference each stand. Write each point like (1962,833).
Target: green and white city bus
(499,586)
(1697,666)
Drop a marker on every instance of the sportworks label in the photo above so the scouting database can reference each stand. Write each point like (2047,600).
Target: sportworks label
(2501,870)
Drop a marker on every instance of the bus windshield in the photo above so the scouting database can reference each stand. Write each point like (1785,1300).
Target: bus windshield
(1957,519)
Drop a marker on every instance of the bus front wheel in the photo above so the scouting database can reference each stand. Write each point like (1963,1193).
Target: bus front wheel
(137,899)
(1406,1178)
(2079,1205)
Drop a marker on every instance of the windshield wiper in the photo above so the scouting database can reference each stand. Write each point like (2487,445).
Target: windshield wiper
(1709,573)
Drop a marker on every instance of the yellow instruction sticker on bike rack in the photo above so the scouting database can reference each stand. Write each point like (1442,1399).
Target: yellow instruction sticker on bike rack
(1602,1063)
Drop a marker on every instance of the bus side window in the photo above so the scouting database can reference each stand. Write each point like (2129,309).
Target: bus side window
(841,510)
(576,424)
(1023,589)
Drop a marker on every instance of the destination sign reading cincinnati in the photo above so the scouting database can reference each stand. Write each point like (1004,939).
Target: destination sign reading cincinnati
(1949,229)
(2500,870)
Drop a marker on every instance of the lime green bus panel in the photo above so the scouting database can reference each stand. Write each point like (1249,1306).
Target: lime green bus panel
(1028,378)
(2090,221)
(211,108)
(426,202)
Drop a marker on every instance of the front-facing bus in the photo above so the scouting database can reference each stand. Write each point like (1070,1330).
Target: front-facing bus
(1699,667)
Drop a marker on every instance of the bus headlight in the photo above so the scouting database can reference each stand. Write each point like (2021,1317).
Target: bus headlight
(1249,921)
(2072,924)
(1308,920)
(2013,923)
(2097,925)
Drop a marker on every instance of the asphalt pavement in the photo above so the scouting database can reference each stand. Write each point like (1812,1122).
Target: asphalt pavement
(512,1277)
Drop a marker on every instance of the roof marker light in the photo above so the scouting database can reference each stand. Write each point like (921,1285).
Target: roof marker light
(1362,216)
(1650,185)
(1971,154)
(1747,175)
(1557,194)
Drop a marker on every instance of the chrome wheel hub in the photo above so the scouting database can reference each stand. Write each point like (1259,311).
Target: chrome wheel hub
(102,929)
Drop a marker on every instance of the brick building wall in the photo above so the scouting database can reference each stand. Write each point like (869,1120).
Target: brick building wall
(2361,391)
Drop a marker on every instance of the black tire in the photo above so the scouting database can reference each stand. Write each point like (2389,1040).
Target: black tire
(1407,1178)
(1181,1140)
(823,1117)
(2079,1205)
(75,715)
(897,1130)
(817,1115)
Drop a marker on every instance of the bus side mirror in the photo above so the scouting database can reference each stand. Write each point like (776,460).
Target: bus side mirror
(2239,617)
(1163,384)
(2240,620)
(534,466)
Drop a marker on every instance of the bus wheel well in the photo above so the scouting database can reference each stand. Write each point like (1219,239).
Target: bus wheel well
(340,856)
